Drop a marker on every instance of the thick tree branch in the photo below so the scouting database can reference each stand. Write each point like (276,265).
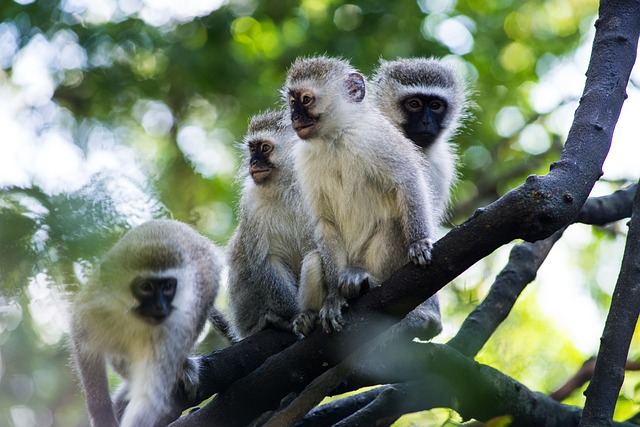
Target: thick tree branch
(472,389)
(524,261)
(336,411)
(221,368)
(603,390)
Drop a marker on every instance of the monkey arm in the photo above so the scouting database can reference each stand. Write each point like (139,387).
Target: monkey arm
(93,374)
(263,295)
(419,217)
(336,272)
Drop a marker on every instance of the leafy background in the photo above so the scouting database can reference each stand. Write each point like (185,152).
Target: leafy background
(117,111)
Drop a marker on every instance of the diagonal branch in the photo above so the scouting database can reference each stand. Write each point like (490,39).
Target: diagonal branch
(524,261)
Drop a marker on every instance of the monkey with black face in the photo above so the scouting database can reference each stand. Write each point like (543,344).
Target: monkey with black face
(273,233)
(142,312)
(361,180)
(426,99)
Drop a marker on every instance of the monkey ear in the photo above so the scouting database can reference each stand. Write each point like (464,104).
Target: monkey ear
(355,87)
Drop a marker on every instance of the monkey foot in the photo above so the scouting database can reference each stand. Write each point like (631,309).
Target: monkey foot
(420,252)
(352,282)
(305,322)
(190,378)
(331,314)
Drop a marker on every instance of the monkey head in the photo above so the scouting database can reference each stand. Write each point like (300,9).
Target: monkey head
(268,144)
(425,98)
(317,89)
(146,271)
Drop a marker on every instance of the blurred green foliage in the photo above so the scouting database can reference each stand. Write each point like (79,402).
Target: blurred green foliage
(119,111)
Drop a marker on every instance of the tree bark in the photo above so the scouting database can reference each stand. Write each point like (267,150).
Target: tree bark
(602,393)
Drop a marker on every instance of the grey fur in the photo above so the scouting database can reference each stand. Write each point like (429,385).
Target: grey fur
(363,184)
(395,80)
(150,358)
(272,237)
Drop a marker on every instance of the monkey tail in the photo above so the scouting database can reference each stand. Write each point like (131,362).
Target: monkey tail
(221,324)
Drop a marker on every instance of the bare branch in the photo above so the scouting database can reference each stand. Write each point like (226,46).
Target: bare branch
(524,261)
(474,390)
(602,393)
(584,374)
(606,209)
(221,368)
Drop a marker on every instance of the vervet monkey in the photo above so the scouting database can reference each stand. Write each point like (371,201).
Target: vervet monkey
(362,182)
(273,233)
(142,312)
(426,99)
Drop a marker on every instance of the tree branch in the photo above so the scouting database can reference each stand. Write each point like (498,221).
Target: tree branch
(606,209)
(336,411)
(472,389)
(524,261)
(584,374)
(221,368)
(602,393)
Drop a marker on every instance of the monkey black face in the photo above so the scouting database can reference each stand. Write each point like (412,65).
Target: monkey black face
(304,122)
(155,295)
(260,165)
(424,115)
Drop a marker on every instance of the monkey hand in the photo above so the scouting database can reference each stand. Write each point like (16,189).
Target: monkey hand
(190,379)
(331,313)
(420,252)
(352,282)
(304,323)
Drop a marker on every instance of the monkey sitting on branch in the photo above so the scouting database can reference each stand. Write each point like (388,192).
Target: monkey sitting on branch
(273,234)
(142,312)
(364,186)
(426,99)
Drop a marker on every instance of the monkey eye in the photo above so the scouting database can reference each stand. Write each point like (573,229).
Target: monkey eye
(437,106)
(413,104)
(265,148)
(291,101)
(145,288)
(168,286)
(307,99)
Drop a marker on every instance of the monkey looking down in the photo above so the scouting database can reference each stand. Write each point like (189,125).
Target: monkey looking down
(142,312)
(273,233)
(361,181)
